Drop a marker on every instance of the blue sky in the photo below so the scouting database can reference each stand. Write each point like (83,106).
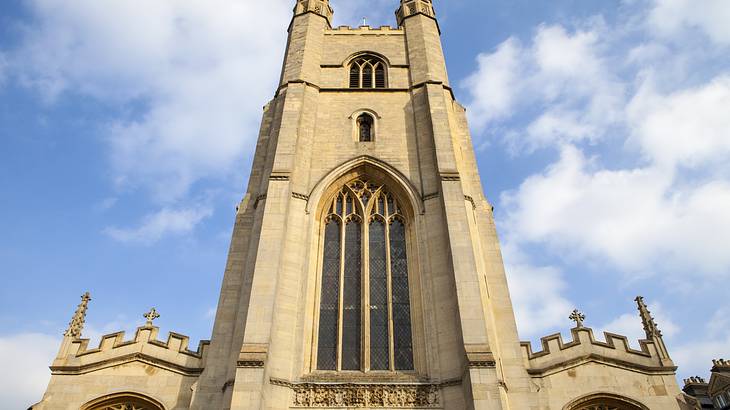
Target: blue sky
(127,129)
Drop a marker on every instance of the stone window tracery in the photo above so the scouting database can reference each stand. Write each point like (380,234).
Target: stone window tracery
(364,306)
(368,72)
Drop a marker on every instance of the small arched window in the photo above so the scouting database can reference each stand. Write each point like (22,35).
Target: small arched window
(365,127)
(364,307)
(368,72)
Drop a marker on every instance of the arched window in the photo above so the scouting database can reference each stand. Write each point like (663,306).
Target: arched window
(123,401)
(365,127)
(364,328)
(368,72)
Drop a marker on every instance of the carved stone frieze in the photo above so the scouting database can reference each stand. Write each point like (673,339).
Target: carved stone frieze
(306,395)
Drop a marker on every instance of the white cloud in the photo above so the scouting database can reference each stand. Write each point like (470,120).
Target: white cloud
(165,222)
(536,293)
(671,17)
(26,358)
(192,77)
(637,219)
(690,127)
(493,87)
(560,70)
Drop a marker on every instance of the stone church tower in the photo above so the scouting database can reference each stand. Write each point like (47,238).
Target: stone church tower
(364,269)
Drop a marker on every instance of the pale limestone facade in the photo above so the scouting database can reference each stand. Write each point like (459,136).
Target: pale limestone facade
(466,352)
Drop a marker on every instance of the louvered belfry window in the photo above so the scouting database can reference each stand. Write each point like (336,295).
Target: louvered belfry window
(368,72)
(364,307)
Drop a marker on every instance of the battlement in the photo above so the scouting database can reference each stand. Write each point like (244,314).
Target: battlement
(382,30)
(720,364)
(174,354)
(557,355)
(694,380)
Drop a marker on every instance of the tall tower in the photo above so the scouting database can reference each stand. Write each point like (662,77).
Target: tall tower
(364,268)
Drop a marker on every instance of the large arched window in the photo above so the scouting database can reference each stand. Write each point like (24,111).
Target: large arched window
(365,310)
(368,72)
(123,401)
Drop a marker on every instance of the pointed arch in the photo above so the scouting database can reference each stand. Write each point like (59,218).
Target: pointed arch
(375,168)
(604,401)
(124,400)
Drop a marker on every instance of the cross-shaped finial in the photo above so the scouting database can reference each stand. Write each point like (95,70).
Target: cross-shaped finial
(151,316)
(577,317)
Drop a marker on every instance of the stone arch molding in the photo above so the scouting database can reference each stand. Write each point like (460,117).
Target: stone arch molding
(604,401)
(396,181)
(124,401)
(354,56)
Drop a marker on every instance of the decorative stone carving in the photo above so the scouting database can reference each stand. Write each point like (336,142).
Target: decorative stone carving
(76,326)
(650,326)
(151,316)
(363,395)
(577,317)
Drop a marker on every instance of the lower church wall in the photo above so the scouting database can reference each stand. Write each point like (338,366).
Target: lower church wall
(560,389)
(73,391)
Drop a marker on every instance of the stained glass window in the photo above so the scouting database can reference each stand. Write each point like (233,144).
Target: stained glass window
(379,337)
(345,320)
(402,340)
(351,317)
(330,299)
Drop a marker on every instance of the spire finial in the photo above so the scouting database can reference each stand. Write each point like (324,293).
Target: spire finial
(151,316)
(650,326)
(577,317)
(76,326)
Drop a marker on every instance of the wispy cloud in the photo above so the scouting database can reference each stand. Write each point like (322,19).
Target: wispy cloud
(672,17)
(164,222)
(587,91)
(191,76)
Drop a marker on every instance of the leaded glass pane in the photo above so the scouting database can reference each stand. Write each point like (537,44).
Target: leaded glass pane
(403,344)
(379,337)
(352,314)
(330,299)
(367,76)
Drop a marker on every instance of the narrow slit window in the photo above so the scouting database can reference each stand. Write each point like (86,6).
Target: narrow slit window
(365,127)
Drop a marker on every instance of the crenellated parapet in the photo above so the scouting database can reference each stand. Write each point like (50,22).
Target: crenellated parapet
(382,30)
(113,350)
(720,365)
(556,354)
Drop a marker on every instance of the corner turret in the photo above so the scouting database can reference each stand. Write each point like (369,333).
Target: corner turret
(410,8)
(318,7)
(425,53)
